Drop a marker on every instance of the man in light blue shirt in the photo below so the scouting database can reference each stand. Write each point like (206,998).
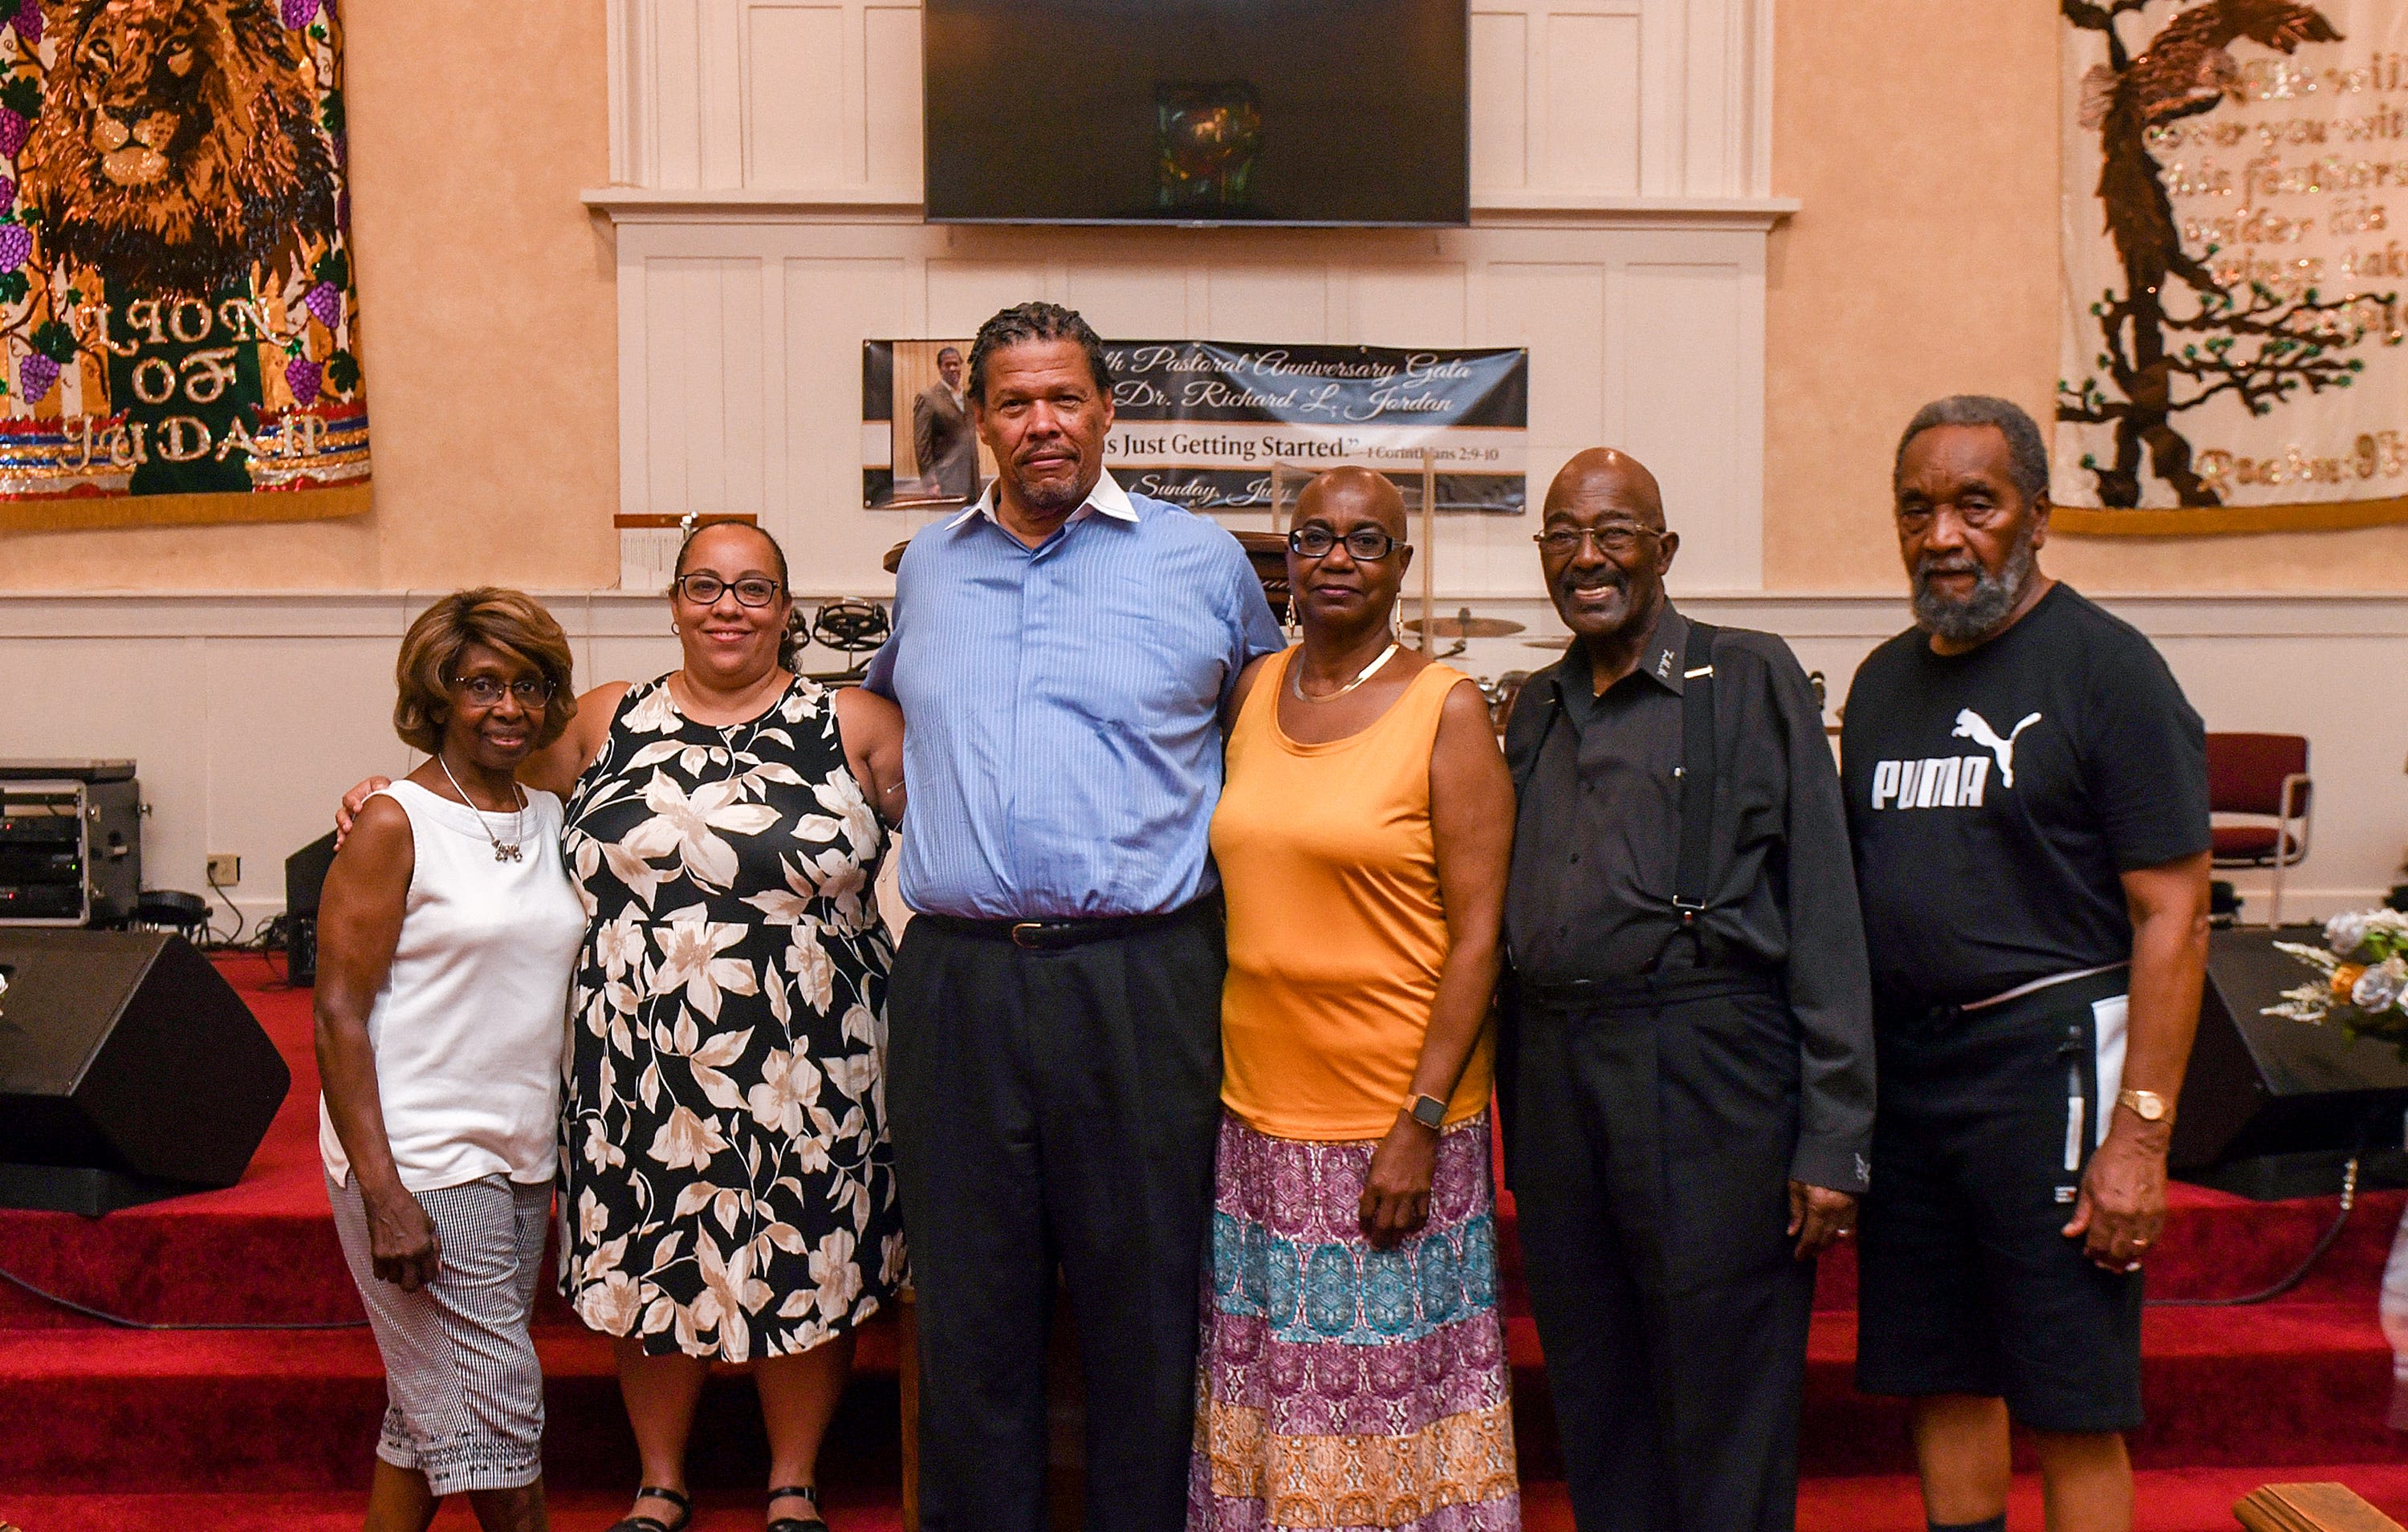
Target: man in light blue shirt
(1061,652)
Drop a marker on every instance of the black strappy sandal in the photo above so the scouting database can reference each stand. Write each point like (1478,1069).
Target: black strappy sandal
(793,1524)
(653,1524)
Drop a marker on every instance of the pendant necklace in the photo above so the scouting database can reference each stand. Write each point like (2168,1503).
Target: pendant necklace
(504,850)
(1295,677)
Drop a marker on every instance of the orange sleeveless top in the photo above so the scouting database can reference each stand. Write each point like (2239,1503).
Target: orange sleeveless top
(1336,929)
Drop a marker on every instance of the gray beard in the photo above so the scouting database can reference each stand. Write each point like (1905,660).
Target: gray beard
(1977,615)
(1047,500)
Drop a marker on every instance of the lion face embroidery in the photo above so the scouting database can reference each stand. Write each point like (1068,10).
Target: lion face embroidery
(177,149)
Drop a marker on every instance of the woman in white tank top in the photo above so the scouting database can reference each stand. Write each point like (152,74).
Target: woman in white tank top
(448,931)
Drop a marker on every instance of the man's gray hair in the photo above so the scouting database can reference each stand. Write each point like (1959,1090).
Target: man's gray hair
(2027,453)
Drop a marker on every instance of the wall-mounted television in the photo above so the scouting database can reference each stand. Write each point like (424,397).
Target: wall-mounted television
(1197,111)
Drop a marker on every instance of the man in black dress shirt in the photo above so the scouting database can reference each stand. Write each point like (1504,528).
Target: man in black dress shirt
(1690,1105)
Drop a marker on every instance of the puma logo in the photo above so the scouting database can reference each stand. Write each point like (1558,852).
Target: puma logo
(1972,725)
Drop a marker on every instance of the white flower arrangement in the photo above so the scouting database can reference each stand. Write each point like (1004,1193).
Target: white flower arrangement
(2364,984)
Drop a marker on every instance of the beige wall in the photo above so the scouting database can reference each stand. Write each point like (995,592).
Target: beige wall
(1921,140)
(487,327)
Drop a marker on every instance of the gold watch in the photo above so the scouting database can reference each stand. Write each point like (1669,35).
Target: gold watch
(2148,1105)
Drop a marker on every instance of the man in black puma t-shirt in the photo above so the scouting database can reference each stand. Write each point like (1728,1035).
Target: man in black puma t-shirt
(2027,796)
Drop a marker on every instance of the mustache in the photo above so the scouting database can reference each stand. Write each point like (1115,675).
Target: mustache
(1936,564)
(1593,580)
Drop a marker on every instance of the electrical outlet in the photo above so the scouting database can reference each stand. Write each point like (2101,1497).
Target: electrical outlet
(225,869)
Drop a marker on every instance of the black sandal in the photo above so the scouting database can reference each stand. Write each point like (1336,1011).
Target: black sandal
(653,1524)
(791,1523)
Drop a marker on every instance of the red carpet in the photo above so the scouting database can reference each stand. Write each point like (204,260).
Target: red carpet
(108,1429)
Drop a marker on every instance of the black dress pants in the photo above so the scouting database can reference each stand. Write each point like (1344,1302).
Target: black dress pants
(1056,1107)
(1651,1174)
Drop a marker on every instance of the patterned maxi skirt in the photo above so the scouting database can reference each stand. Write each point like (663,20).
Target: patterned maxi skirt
(1341,1386)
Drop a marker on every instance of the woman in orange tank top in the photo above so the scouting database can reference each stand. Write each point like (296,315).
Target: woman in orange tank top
(1353,1370)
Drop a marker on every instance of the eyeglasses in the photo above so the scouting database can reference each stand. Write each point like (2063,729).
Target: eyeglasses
(752,591)
(486,691)
(1563,542)
(1365,542)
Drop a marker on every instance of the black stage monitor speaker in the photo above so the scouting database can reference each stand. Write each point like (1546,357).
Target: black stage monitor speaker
(2271,1106)
(129,1070)
(305,878)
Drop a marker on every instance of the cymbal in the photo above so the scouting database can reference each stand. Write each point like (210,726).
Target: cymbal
(894,559)
(1556,644)
(1464,625)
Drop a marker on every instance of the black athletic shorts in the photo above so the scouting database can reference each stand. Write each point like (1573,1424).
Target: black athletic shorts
(1987,1120)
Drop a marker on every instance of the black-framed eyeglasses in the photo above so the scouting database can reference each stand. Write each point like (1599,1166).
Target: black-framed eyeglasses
(1614,541)
(1367,543)
(486,691)
(752,591)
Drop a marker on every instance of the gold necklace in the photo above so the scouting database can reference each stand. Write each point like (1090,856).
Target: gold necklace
(1295,677)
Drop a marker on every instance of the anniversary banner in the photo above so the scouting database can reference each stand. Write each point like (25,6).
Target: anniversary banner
(2235,239)
(1201,422)
(177,306)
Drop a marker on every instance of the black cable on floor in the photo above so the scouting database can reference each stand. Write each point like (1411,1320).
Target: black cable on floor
(122,1323)
(2299,1273)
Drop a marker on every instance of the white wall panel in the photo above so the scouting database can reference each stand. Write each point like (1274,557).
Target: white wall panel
(1684,386)
(794,126)
(1558,311)
(1644,338)
(704,392)
(962,293)
(892,93)
(1266,303)
(831,304)
(1591,118)
(1130,299)
(1407,305)
(1500,98)
(1664,97)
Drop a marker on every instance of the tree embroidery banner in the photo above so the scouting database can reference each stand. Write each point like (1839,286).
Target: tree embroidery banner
(2235,259)
(176,305)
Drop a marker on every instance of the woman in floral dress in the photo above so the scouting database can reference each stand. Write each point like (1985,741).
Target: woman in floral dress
(727,1189)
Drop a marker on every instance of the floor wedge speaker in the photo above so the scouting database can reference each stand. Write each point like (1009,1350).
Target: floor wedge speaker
(129,1070)
(2271,1106)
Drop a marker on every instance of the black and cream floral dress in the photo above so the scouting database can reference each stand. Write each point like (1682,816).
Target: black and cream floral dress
(728,1190)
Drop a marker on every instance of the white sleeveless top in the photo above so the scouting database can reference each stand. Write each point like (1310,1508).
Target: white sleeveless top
(472,1022)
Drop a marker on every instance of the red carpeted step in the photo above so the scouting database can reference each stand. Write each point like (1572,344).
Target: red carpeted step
(2168,1500)
(2280,1383)
(299,1412)
(2165,1499)
(862,1509)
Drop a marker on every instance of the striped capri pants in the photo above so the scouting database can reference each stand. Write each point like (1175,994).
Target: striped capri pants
(464,1390)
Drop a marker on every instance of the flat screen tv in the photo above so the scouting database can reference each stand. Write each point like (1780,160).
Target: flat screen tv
(1197,111)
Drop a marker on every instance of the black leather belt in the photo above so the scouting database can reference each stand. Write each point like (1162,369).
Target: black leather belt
(1053,933)
(1573,995)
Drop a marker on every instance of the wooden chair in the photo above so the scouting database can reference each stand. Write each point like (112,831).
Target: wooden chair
(2264,777)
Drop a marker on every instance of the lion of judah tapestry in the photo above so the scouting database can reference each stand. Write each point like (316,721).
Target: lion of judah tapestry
(177,303)
(2235,241)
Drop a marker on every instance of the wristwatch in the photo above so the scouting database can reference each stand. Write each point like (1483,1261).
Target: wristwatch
(1428,1111)
(2148,1105)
